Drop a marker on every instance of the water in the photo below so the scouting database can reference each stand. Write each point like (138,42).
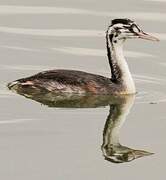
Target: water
(38,142)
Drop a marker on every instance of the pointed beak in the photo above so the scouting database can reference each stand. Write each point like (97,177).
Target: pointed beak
(146,36)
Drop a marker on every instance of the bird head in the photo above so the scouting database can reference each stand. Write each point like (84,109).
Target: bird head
(122,29)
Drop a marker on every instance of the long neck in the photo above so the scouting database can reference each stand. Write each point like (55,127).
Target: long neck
(120,73)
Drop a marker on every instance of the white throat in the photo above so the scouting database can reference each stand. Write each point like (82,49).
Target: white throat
(118,56)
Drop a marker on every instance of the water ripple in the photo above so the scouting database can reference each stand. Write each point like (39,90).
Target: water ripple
(14,121)
(150,97)
(4,9)
(155,16)
(79,51)
(20,48)
(53,32)
(24,67)
(97,52)
(150,79)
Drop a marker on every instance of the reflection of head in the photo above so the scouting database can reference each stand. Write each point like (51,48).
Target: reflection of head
(121,154)
(112,150)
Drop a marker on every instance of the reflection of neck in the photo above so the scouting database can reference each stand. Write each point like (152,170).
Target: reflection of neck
(119,69)
(112,149)
(115,120)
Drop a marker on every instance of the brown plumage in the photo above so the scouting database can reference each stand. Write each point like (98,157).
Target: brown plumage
(68,81)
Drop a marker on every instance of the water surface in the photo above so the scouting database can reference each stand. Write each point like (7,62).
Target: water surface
(41,142)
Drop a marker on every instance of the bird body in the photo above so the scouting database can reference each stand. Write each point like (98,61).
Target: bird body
(68,81)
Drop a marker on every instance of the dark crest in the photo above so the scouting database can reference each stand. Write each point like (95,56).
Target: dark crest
(122,21)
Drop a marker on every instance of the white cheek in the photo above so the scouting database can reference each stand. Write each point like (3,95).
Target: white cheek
(135,30)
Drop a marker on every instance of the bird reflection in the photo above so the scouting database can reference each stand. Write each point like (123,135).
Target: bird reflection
(120,106)
(112,149)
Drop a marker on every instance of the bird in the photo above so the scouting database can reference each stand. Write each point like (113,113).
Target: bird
(120,81)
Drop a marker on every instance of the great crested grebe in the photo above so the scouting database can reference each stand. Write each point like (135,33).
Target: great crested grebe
(71,81)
